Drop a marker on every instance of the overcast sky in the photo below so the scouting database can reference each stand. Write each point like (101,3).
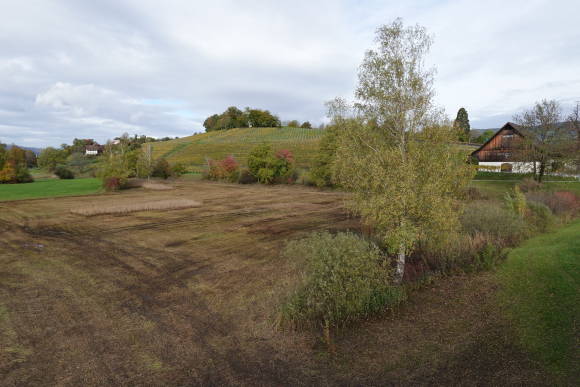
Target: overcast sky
(97,69)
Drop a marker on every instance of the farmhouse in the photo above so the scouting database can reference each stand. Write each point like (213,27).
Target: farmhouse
(501,150)
(93,150)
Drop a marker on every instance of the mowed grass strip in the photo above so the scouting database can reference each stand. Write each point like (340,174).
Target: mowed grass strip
(540,291)
(49,188)
(171,204)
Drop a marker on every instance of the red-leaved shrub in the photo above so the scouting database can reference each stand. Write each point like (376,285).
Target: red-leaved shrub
(561,203)
(112,184)
(227,169)
(285,154)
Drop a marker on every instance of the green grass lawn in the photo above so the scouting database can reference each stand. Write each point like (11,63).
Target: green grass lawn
(540,284)
(49,188)
(497,189)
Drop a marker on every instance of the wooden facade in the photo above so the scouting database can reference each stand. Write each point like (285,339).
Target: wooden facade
(502,147)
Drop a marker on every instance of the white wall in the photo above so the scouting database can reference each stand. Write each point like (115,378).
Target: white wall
(517,166)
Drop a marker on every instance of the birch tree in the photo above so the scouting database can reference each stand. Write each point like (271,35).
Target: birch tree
(545,140)
(394,150)
(573,122)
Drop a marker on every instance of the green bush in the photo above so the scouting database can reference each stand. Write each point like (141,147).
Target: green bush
(516,202)
(268,167)
(321,172)
(63,172)
(161,168)
(540,216)
(491,219)
(178,170)
(345,277)
(246,177)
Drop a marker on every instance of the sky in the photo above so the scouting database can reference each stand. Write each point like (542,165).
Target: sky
(97,69)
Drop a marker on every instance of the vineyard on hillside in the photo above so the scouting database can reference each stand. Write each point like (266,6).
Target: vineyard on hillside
(194,151)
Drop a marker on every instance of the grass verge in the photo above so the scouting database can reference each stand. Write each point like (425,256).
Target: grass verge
(540,286)
(49,188)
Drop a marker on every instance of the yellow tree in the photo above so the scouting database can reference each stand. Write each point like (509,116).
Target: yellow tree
(394,152)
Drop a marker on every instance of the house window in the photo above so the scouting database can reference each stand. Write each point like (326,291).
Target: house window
(507,155)
(508,135)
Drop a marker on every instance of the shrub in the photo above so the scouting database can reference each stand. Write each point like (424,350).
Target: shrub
(178,169)
(491,219)
(529,185)
(305,178)
(227,169)
(13,173)
(461,252)
(8,174)
(112,183)
(321,172)
(64,173)
(161,169)
(516,202)
(246,177)
(540,216)
(345,278)
(23,175)
(562,203)
(269,168)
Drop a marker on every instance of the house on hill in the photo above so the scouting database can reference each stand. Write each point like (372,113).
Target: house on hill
(501,150)
(93,150)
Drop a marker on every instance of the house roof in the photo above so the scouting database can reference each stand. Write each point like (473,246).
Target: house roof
(508,125)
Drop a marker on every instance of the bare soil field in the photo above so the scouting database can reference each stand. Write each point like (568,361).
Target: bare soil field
(190,297)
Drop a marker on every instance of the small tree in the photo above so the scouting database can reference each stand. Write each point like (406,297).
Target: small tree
(63,172)
(574,128)
(395,155)
(51,157)
(113,168)
(321,172)
(461,125)
(144,166)
(306,125)
(545,140)
(15,167)
(293,124)
(267,167)
(161,168)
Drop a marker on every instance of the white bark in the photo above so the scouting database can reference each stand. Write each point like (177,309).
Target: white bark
(400,265)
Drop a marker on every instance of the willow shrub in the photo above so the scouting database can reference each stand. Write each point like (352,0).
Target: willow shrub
(344,278)
(501,224)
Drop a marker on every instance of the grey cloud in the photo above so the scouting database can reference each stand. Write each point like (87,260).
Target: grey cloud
(97,69)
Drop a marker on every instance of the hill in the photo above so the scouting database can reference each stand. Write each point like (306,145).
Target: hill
(35,150)
(194,151)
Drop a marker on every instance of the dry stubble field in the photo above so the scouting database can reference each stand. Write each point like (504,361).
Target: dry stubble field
(189,297)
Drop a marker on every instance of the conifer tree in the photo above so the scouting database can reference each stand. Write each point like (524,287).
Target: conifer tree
(462,126)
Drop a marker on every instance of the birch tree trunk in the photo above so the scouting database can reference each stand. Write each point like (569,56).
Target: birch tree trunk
(400,264)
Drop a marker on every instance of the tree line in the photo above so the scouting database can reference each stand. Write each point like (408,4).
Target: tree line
(233,117)
(14,164)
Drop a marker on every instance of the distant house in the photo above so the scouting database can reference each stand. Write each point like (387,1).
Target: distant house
(93,150)
(501,150)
